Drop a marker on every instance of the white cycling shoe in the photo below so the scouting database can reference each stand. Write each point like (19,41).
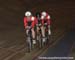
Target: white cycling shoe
(34,41)
(49,32)
(44,39)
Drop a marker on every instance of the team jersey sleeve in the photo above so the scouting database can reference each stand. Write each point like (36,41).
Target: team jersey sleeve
(48,20)
(25,22)
(33,22)
(42,20)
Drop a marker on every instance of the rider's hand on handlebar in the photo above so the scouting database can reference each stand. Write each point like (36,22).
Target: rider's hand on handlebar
(28,27)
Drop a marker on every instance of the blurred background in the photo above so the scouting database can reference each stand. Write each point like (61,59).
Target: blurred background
(12,36)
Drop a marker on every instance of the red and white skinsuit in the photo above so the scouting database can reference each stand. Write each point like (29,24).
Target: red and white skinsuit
(47,20)
(31,22)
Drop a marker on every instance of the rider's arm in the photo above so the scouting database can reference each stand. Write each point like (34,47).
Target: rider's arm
(48,20)
(33,22)
(25,22)
(36,21)
(42,20)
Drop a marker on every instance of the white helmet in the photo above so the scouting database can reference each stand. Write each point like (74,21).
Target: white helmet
(44,13)
(28,13)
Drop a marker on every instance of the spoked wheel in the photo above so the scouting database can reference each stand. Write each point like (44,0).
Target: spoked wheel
(41,43)
(47,36)
(39,39)
(29,41)
(29,44)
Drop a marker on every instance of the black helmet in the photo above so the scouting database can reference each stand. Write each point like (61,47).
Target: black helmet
(38,14)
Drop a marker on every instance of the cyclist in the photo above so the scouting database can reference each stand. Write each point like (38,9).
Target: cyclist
(29,22)
(39,25)
(46,20)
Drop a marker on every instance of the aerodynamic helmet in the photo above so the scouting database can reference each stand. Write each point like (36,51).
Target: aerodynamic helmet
(28,13)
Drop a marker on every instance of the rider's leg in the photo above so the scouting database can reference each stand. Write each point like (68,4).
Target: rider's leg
(43,32)
(49,30)
(27,31)
(33,36)
(38,32)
